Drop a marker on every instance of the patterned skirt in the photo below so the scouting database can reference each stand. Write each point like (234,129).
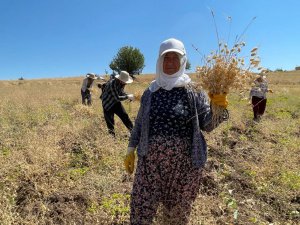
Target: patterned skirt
(165,176)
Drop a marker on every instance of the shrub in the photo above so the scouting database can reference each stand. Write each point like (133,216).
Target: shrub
(129,59)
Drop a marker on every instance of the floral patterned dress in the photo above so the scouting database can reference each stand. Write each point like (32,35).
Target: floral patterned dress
(166,174)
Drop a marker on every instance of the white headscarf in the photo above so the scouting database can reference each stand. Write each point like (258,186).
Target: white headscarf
(178,79)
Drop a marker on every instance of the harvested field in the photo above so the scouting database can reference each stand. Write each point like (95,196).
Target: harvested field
(59,165)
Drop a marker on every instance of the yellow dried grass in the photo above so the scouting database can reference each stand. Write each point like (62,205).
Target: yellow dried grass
(225,70)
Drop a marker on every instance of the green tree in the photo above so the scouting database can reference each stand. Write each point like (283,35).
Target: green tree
(129,59)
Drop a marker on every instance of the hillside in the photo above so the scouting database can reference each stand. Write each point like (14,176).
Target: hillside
(59,165)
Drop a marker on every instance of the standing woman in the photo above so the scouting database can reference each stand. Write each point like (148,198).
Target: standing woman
(86,87)
(258,96)
(170,146)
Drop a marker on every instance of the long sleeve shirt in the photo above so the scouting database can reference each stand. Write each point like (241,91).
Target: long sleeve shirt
(112,93)
(259,90)
(201,120)
(86,85)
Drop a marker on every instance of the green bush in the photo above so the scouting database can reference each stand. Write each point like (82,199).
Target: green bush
(129,59)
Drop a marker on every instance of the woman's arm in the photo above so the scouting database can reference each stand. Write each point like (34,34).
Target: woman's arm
(136,131)
(205,113)
(115,90)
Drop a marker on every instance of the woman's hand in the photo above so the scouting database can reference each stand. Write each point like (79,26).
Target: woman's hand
(219,99)
(129,160)
(130,97)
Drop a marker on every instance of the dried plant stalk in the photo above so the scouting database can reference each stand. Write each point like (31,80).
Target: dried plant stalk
(224,70)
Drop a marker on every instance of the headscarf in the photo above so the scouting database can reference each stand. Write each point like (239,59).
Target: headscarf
(178,79)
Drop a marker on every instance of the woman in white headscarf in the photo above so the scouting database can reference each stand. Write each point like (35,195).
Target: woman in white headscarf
(170,146)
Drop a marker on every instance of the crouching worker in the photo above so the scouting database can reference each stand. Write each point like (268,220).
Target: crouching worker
(87,85)
(112,95)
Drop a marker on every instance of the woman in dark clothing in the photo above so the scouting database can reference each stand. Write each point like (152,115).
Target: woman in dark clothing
(171,148)
(112,95)
(258,96)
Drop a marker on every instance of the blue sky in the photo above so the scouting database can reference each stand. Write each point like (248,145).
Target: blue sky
(63,38)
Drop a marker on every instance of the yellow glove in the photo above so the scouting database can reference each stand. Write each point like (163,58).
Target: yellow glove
(219,99)
(129,161)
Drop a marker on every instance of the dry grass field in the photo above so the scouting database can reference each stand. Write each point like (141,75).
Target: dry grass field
(59,165)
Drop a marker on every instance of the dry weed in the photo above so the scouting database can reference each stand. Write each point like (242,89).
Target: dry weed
(59,165)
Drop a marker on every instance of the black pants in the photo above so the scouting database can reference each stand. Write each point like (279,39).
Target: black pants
(86,95)
(259,107)
(119,110)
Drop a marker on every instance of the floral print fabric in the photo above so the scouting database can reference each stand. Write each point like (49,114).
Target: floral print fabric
(166,174)
(170,114)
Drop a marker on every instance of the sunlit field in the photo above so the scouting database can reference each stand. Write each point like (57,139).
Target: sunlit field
(60,166)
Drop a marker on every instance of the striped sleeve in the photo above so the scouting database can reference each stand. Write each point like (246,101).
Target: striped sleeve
(117,92)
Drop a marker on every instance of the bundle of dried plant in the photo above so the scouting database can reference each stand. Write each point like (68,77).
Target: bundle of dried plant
(225,69)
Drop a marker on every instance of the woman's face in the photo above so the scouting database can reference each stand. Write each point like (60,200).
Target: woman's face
(121,82)
(171,63)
